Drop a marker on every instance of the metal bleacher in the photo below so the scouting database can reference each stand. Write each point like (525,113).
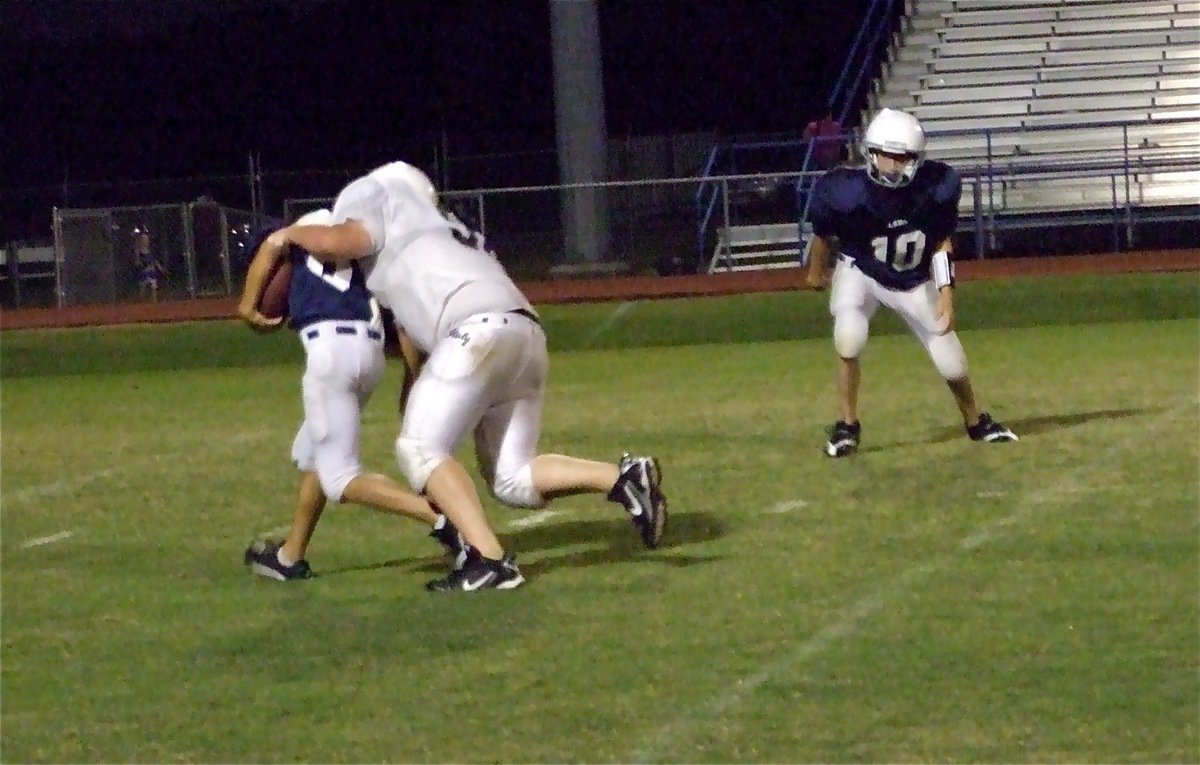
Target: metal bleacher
(1058,114)
(1048,94)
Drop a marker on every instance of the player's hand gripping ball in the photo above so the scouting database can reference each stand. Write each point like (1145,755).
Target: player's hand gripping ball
(274,301)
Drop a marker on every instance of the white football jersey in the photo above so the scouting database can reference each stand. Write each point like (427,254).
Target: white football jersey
(427,267)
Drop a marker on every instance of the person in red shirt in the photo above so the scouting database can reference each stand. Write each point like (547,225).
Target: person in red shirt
(824,133)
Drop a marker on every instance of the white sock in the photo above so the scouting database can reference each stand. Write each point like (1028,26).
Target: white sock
(439,523)
(284,560)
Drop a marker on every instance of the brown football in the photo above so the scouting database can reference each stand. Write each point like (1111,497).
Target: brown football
(274,301)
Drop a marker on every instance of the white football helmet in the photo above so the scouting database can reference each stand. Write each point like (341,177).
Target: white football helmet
(894,132)
(415,179)
(315,218)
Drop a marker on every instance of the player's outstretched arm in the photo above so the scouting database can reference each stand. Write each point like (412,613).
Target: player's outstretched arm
(256,277)
(943,279)
(340,242)
(818,263)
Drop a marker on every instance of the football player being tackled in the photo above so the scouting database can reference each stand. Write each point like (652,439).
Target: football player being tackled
(484,369)
(343,334)
(891,226)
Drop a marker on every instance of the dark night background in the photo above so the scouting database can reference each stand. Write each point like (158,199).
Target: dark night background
(122,90)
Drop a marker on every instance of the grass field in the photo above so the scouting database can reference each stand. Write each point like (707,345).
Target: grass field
(930,599)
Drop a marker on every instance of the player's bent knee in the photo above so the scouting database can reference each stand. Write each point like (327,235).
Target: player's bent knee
(849,334)
(517,489)
(334,482)
(948,356)
(417,461)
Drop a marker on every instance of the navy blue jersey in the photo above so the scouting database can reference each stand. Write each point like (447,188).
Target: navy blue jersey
(318,292)
(890,234)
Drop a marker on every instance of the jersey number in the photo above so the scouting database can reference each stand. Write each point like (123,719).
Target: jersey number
(465,235)
(338,279)
(901,252)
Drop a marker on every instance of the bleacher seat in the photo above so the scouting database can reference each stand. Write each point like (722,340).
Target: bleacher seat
(1045,82)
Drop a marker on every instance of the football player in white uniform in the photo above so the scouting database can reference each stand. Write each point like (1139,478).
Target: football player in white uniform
(484,369)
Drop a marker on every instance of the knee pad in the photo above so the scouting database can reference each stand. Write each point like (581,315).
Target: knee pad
(849,334)
(948,355)
(517,489)
(417,461)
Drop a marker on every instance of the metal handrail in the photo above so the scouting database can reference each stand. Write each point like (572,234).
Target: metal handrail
(877,19)
(1058,128)
(870,26)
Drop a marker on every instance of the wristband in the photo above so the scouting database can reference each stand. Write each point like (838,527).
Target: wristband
(943,269)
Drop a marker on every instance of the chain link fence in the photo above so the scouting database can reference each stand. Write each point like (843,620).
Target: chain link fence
(149,253)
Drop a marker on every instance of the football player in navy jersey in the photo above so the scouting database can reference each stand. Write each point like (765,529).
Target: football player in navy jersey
(484,372)
(891,225)
(342,330)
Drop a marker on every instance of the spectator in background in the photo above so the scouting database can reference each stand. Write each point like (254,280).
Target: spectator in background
(149,269)
(827,147)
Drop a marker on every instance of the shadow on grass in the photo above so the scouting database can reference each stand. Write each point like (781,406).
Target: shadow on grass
(622,540)
(1027,426)
(394,563)
(624,544)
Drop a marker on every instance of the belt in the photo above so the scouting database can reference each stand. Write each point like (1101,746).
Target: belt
(527,314)
(316,332)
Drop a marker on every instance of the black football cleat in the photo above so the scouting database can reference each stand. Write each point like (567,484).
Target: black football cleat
(262,557)
(989,431)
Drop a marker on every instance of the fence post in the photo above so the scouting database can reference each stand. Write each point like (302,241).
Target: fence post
(1128,205)
(728,248)
(482,220)
(225,270)
(1116,228)
(14,271)
(977,206)
(56,226)
(255,195)
(991,193)
(189,246)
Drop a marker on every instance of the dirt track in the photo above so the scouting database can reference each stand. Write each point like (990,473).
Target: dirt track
(627,288)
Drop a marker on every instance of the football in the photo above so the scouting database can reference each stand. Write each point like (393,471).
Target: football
(274,301)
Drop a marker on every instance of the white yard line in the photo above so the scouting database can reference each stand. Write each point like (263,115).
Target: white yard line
(990,494)
(852,617)
(690,720)
(39,541)
(787,507)
(613,318)
(533,519)
(69,484)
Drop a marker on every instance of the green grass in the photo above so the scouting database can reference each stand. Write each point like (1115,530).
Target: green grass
(928,600)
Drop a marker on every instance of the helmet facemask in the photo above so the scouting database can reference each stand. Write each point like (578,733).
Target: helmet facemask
(896,178)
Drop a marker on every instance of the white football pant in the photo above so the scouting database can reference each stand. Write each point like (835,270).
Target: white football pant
(489,375)
(341,373)
(853,300)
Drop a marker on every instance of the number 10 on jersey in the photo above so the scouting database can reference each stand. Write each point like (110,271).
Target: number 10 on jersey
(902,252)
